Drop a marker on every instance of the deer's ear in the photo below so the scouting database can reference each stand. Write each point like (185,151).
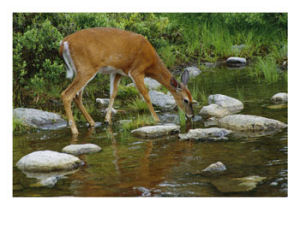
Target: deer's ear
(185,77)
(174,82)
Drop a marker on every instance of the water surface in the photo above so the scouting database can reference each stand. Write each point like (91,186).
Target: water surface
(131,166)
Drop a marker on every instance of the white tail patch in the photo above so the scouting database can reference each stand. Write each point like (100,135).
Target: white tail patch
(68,60)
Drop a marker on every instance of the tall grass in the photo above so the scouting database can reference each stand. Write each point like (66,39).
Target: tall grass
(267,68)
(139,105)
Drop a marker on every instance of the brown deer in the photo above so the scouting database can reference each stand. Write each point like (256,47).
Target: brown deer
(118,53)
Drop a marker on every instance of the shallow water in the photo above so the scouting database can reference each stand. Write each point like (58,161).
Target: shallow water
(131,166)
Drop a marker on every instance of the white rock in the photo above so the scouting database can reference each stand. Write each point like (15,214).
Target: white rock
(164,101)
(214,169)
(236,61)
(156,131)
(193,71)
(77,149)
(250,123)
(213,110)
(231,104)
(47,160)
(206,134)
(280,97)
(151,83)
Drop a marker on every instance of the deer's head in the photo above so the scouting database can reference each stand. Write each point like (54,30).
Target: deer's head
(182,94)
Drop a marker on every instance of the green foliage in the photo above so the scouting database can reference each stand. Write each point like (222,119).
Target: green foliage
(19,127)
(267,68)
(138,105)
(140,121)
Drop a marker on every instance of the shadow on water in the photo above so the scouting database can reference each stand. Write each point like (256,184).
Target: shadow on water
(131,166)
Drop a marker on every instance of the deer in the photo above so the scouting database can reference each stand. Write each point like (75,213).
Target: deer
(117,53)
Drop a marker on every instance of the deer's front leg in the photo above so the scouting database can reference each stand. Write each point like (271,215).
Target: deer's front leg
(139,83)
(114,83)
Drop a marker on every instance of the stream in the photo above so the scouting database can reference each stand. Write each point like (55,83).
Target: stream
(132,166)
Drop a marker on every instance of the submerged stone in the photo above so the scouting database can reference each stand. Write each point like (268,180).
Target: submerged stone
(77,149)
(206,134)
(231,104)
(280,106)
(156,131)
(244,184)
(47,160)
(250,123)
(40,119)
(213,110)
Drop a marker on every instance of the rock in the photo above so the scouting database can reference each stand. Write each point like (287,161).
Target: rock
(77,149)
(209,64)
(213,169)
(280,97)
(213,110)
(97,124)
(280,106)
(48,179)
(156,131)
(250,123)
(39,119)
(169,118)
(103,101)
(47,160)
(197,118)
(151,83)
(244,184)
(231,104)
(212,121)
(206,134)
(236,61)
(164,101)
(193,71)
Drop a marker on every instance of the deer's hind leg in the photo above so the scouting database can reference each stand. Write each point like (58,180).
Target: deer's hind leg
(114,83)
(79,82)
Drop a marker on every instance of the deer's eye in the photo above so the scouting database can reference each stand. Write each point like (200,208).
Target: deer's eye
(186,101)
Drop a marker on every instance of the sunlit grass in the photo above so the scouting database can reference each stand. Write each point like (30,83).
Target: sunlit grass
(138,104)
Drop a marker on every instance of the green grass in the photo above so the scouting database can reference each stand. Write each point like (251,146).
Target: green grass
(20,128)
(267,68)
(181,117)
(139,105)
(140,121)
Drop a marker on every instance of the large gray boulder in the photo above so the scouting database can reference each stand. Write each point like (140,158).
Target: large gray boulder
(213,110)
(39,119)
(250,123)
(243,184)
(231,104)
(77,149)
(280,97)
(193,71)
(206,134)
(236,61)
(156,131)
(165,102)
(151,83)
(47,161)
